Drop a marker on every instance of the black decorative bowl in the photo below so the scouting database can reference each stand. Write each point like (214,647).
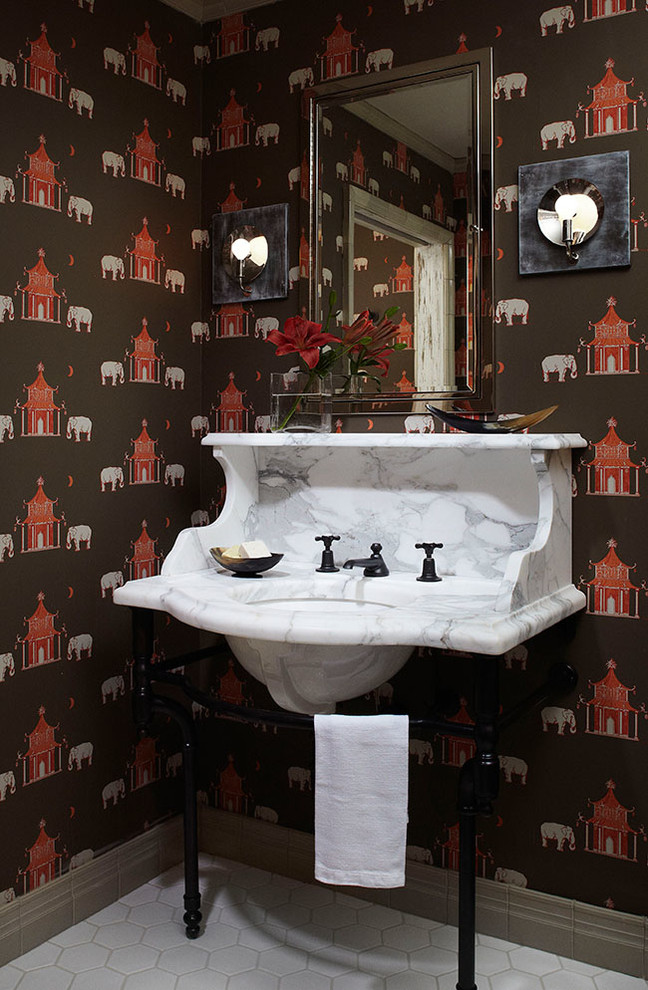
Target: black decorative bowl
(250,567)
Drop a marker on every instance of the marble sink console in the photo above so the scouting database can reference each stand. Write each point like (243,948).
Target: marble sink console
(500,505)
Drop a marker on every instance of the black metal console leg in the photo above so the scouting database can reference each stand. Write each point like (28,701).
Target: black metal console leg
(467,853)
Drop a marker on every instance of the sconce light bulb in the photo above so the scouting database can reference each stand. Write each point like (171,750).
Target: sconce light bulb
(241,249)
(259,250)
(566,207)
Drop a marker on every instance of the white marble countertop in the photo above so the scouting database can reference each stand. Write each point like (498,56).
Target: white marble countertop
(480,441)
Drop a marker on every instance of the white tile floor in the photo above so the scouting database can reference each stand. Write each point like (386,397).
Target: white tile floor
(265,932)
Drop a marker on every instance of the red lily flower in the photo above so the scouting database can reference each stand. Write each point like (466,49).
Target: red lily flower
(304,337)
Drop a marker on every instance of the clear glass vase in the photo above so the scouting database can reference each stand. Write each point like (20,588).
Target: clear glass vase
(301,402)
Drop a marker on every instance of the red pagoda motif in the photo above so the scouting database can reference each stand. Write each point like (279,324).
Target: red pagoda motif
(232,320)
(144,61)
(143,362)
(231,414)
(41,73)
(609,713)
(41,417)
(611,592)
(42,643)
(41,529)
(611,111)
(40,300)
(401,158)
(597,9)
(40,185)
(145,165)
(145,768)
(232,203)
(450,852)
(405,333)
(457,749)
(234,128)
(607,832)
(145,266)
(229,793)
(403,278)
(145,562)
(460,185)
(461,240)
(233,37)
(612,472)
(461,361)
(438,206)
(304,255)
(44,861)
(357,170)
(231,687)
(461,299)
(43,756)
(612,351)
(304,178)
(144,463)
(341,56)
(404,384)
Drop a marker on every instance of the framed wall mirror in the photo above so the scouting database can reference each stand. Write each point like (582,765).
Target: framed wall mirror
(400,219)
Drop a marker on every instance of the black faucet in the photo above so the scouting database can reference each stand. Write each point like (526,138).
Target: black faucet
(374,566)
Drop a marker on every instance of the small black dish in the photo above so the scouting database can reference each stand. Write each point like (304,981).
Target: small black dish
(250,567)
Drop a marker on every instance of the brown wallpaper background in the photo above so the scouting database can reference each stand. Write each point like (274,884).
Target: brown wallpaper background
(573,810)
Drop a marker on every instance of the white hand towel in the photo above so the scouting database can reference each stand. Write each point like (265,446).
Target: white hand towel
(361,783)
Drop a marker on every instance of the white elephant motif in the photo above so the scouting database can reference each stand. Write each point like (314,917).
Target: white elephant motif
(114,60)
(7,783)
(266,37)
(78,645)
(81,100)
(78,316)
(174,473)
(360,264)
(557,131)
(6,427)
(199,239)
(81,858)
(512,309)
(7,72)
(513,82)
(381,58)
(422,750)
(200,146)
(6,308)
(7,666)
(111,160)
(419,4)
(177,91)
(559,364)
(556,17)
(342,171)
(7,188)
(113,476)
(418,854)
(327,276)
(560,834)
(77,535)
(266,133)
(301,777)
(294,177)
(6,546)
(293,276)
(505,197)
(266,814)
(264,325)
(112,265)
(562,718)
(512,877)
(113,370)
(80,753)
(113,791)
(415,174)
(201,53)
(327,127)
(381,289)
(374,187)
(79,426)
(302,78)
(199,331)
(174,377)
(112,687)
(263,424)
(175,280)
(111,580)
(388,159)
(513,766)
(200,517)
(175,184)
(173,764)
(419,423)
(327,202)
(199,425)
(339,238)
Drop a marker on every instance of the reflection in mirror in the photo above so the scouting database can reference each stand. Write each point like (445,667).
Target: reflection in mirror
(401,218)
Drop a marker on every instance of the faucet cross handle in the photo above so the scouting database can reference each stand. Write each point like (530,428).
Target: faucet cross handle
(429,566)
(327,565)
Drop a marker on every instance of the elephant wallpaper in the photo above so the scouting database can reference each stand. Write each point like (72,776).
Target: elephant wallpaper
(126,129)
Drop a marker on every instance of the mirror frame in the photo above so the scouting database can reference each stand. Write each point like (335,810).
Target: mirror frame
(479,63)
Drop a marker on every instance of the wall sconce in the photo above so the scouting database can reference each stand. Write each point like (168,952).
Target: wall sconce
(566,203)
(250,254)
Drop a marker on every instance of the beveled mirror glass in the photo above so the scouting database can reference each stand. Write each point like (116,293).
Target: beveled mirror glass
(401,216)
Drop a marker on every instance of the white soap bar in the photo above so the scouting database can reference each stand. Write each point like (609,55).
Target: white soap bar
(247,550)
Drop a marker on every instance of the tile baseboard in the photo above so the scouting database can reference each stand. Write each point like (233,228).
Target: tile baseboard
(590,934)
(33,918)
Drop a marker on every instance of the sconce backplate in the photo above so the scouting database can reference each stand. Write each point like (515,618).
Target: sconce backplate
(272,282)
(609,247)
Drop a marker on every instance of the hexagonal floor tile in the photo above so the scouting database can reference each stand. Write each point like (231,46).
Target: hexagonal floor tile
(433,960)
(383,961)
(234,959)
(406,937)
(533,961)
(304,981)
(78,958)
(255,980)
(334,916)
(183,959)
(132,959)
(98,979)
(206,979)
(150,979)
(358,937)
(119,934)
(512,979)
(489,961)
(283,960)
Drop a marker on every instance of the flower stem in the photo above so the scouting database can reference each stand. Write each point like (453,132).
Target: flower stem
(291,412)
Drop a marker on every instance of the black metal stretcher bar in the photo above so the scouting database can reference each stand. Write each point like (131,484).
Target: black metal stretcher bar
(478,777)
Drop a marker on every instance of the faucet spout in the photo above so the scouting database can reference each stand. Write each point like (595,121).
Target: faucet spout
(374,566)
